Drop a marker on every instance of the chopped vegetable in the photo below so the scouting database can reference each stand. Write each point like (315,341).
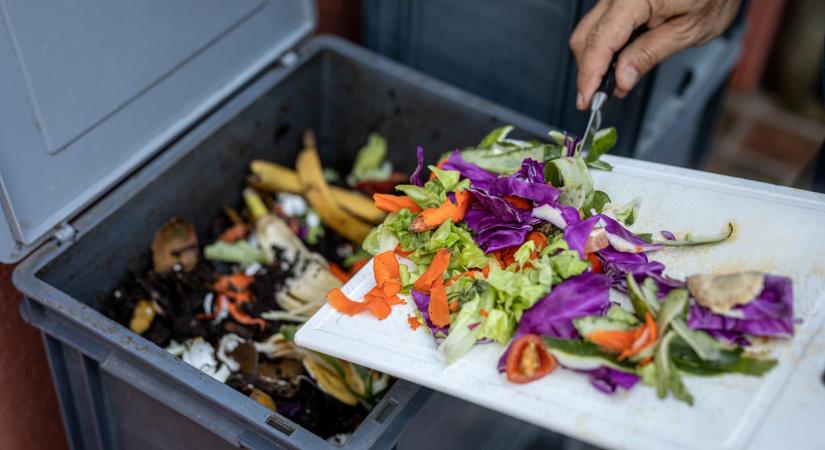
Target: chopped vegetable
(528,360)
(394,203)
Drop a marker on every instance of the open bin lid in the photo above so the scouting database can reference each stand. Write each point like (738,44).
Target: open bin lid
(92,89)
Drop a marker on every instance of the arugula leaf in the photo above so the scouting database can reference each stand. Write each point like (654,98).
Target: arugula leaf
(673,304)
(425,198)
(667,377)
(448,178)
(706,347)
(729,361)
(596,202)
(495,136)
(603,140)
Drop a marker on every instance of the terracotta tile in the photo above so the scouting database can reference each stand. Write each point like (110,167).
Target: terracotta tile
(775,142)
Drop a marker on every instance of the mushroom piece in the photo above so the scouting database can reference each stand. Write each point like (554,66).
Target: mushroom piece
(721,293)
(175,243)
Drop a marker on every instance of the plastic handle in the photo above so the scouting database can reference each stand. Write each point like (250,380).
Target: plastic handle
(608,84)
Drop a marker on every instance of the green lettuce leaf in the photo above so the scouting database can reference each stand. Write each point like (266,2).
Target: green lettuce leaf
(370,162)
(572,175)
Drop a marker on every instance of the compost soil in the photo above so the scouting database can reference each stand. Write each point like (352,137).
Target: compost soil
(179,296)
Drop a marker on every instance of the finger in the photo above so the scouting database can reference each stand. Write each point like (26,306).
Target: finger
(650,49)
(607,36)
(585,25)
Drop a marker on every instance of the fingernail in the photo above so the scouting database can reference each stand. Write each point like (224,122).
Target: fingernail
(580,100)
(630,75)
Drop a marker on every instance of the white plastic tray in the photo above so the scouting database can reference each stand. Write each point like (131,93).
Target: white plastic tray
(779,230)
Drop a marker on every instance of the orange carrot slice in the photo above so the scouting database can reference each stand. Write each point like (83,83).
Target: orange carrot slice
(518,202)
(454,306)
(437,268)
(393,203)
(338,300)
(433,217)
(385,267)
(339,273)
(439,310)
(234,233)
(483,312)
(241,317)
(613,341)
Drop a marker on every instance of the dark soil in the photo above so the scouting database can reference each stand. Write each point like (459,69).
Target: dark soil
(180,297)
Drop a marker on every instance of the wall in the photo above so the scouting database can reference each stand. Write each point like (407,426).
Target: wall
(29,416)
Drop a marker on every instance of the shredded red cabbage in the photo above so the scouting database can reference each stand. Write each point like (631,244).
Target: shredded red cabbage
(417,177)
(607,379)
(769,314)
(583,295)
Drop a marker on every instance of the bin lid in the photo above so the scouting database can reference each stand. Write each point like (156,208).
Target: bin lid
(92,89)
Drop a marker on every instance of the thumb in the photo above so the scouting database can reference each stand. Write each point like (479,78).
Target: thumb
(648,50)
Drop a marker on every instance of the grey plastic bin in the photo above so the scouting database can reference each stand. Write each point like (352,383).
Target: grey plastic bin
(116,389)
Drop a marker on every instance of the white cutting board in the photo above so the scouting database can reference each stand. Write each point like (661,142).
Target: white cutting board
(778,230)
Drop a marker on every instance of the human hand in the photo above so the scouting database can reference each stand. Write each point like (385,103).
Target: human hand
(673,25)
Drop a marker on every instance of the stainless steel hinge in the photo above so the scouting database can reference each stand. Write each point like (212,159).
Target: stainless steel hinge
(64,233)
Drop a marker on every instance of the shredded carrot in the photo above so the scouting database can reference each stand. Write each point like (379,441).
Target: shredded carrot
(626,343)
(647,335)
(234,233)
(413,322)
(483,312)
(595,263)
(338,272)
(400,251)
(433,217)
(486,271)
(454,306)
(439,311)
(538,238)
(380,299)
(339,301)
(393,203)
(235,286)
(437,268)
(241,317)
(646,361)
(518,202)
(385,267)
(505,256)
(613,341)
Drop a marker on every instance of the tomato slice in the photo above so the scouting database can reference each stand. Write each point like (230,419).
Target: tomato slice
(528,360)
(595,263)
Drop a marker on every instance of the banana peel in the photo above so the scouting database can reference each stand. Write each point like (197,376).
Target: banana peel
(273,177)
(329,380)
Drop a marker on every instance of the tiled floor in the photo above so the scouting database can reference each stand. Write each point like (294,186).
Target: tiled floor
(759,140)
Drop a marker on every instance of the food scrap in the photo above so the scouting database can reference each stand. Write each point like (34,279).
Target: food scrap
(511,243)
(229,305)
